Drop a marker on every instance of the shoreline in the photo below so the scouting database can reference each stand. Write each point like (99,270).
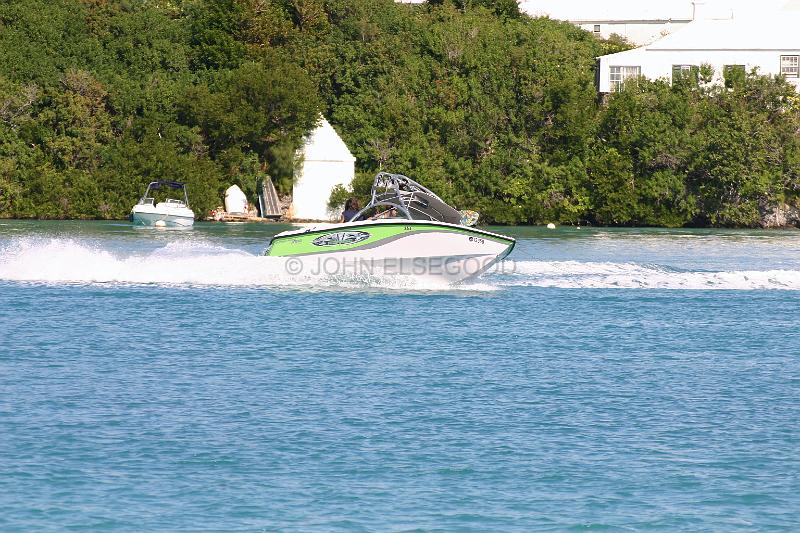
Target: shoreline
(260,221)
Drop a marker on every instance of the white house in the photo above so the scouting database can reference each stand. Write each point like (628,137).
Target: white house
(639,21)
(326,163)
(767,40)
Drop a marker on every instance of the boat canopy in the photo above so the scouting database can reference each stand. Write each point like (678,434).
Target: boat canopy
(410,198)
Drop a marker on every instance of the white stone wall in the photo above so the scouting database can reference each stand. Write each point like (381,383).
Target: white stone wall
(637,32)
(313,186)
(327,162)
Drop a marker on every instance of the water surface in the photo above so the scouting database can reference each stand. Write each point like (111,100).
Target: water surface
(602,379)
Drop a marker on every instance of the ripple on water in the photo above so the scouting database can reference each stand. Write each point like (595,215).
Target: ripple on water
(180,385)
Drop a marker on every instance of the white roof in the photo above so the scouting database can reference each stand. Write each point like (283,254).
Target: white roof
(648,10)
(234,191)
(324,144)
(577,10)
(769,29)
(773,31)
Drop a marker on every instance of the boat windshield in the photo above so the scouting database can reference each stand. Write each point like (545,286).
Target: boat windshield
(410,199)
(156,185)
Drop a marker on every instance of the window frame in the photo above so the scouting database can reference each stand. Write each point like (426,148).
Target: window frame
(795,67)
(625,73)
(729,78)
(686,71)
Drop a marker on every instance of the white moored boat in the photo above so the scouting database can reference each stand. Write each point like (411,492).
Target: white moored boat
(171,213)
(415,234)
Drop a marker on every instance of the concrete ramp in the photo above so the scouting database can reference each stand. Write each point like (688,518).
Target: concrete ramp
(270,208)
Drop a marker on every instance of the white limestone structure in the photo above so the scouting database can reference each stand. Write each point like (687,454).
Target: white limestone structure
(742,40)
(326,163)
(235,200)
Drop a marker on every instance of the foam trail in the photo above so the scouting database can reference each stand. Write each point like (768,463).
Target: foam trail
(58,260)
(599,275)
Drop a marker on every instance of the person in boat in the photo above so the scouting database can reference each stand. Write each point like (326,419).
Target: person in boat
(351,209)
(387,212)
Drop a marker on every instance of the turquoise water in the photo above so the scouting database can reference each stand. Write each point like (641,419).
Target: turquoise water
(602,380)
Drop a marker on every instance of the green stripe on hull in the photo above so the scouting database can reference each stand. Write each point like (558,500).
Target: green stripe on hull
(303,243)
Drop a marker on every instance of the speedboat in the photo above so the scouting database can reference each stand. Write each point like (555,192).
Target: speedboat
(171,213)
(405,229)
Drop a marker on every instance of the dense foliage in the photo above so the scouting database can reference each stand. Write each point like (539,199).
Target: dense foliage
(492,109)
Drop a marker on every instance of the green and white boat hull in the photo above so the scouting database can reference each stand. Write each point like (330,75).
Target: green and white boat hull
(430,249)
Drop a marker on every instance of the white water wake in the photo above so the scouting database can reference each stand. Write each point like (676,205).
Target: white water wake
(605,275)
(58,260)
